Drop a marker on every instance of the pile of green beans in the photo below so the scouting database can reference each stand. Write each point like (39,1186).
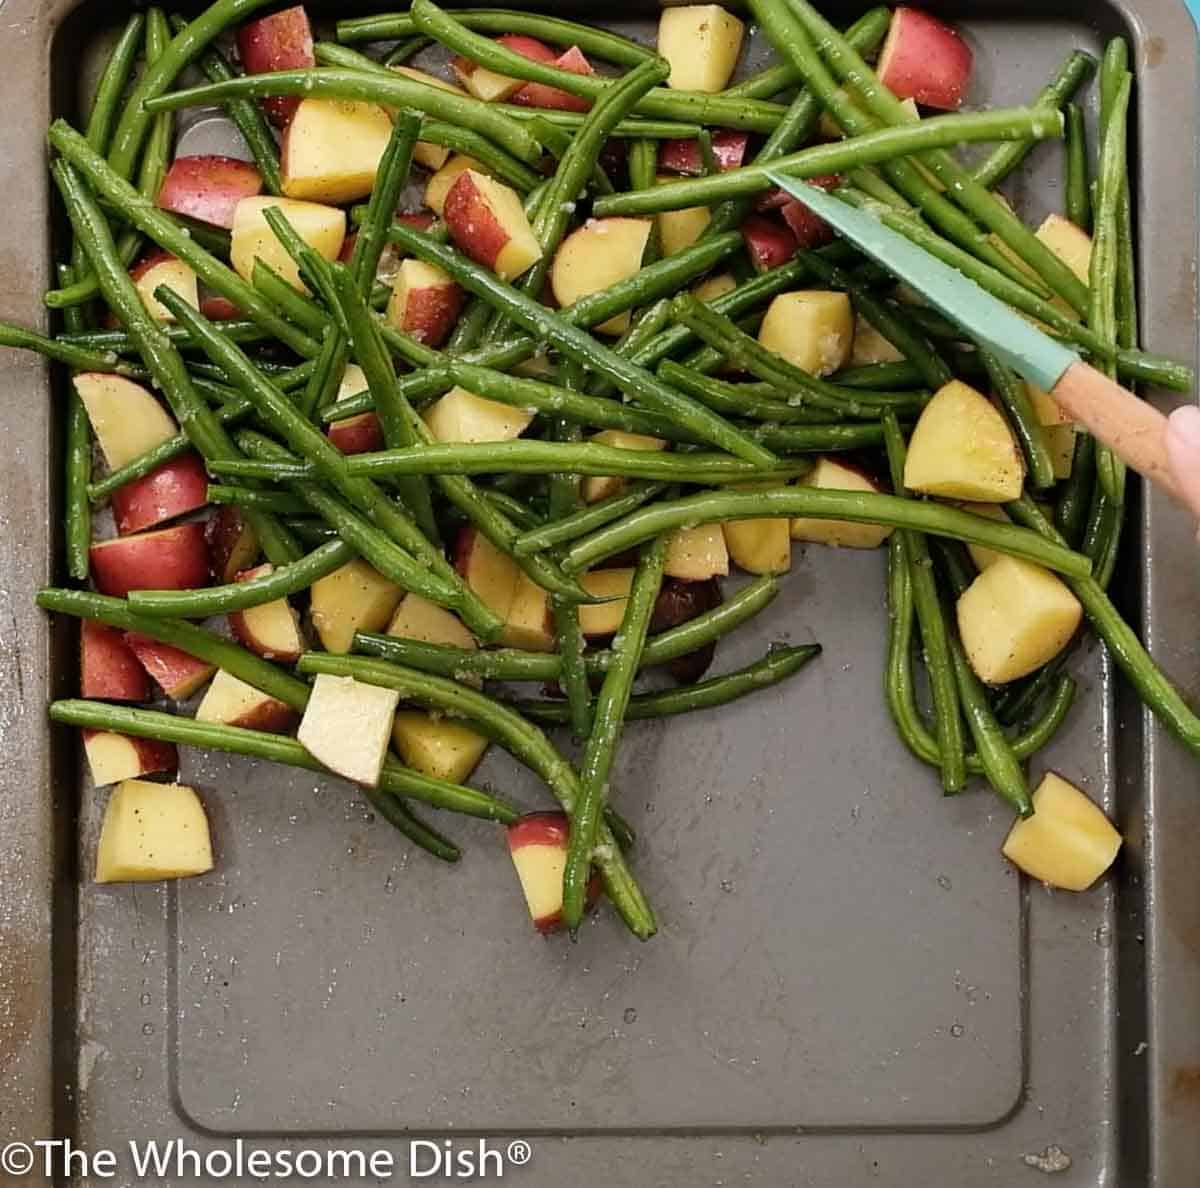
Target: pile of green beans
(700,422)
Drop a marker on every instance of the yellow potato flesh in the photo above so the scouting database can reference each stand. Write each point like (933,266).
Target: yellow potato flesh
(355,597)
(1068,842)
(462,416)
(831,475)
(323,228)
(813,330)
(1013,618)
(152,831)
(437,747)
(332,149)
(598,254)
(702,43)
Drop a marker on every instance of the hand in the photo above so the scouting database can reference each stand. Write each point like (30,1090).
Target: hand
(1183,449)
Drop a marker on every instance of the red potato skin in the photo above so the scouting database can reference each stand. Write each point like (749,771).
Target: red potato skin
(527,47)
(269,715)
(925,59)
(768,242)
(152,260)
(420,220)
(357,435)
(108,669)
(240,628)
(472,223)
(208,188)
(232,545)
(430,313)
(219,309)
(176,673)
(683,156)
(547,829)
(810,230)
(168,559)
(281,41)
(174,489)
(554,98)
(149,755)
(347,252)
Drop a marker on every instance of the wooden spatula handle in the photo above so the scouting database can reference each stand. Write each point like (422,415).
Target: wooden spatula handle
(1134,430)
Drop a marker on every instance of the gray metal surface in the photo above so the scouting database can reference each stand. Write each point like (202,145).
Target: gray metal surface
(850,986)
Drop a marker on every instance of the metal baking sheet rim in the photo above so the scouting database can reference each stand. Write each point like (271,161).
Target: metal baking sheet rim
(37,808)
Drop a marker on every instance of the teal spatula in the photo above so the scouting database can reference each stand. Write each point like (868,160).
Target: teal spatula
(1131,428)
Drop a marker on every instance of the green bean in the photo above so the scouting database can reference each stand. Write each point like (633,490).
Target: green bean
(160,227)
(1000,764)
(608,723)
(578,344)
(246,116)
(776,666)
(899,683)
(399,90)
(974,198)
(521,515)
(493,158)
(522,739)
(643,328)
(595,515)
(643,173)
(752,114)
(280,502)
(204,645)
(1150,682)
(771,80)
(308,441)
(315,271)
(117,342)
(1071,510)
(109,90)
(935,632)
(861,507)
(1078,186)
(220,600)
(1072,74)
(395,779)
(77,516)
(793,382)
(391,408)
(631,129)
(806,439)
(64,350)
(590,39)
(1014,396)
(911,183)
(156,155)
(510,664)
(759,401)
(546,457)
(1102,315)
(406,49)
(883,145)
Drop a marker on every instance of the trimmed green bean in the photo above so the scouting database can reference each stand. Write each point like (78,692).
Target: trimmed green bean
(776,666)
(510,664)
(280,502)
(789,502)
(587,519)
(161,228)
(1072,74)
(328,82)
(196,641)
(807,439)
(1014,396)
(886,144)
(547,457)
(77,471)
(758,401)
(543,324)
(1078,186)
(590,39)
(522,739)
(64,350)
(935,631)
(395,779)
(220,600)
(608,723)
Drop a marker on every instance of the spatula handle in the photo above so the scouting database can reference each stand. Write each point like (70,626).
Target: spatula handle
(1134,430)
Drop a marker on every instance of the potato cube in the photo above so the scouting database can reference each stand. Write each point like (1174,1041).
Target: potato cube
(814,330)
(332,148)
(830,475)
(1068,842)
(356,597)
(1013,618)
(702,43)
(323,228)
(152,831)
(437,747)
